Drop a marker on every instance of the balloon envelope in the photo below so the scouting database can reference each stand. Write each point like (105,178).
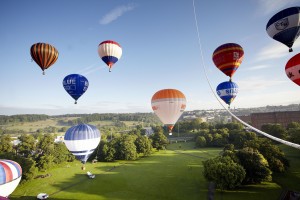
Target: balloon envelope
(228,58)
(284,26)
(44,55)
(10,176)
(110,52)
(168,105)
(292,69)
(75,85)
(227,91)
(82,140)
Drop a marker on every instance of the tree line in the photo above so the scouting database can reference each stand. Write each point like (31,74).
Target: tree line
(22,118)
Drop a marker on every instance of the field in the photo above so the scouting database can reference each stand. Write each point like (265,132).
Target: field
(175,173)
(33,126)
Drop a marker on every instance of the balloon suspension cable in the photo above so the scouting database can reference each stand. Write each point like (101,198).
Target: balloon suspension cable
(238,119)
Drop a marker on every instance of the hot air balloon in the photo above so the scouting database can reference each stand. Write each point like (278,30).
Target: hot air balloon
(292,69)
(110,52)
(228,58)
(82,140)
(227,91)
(285,26)
(75,85)
(44,55)
(10,176)
(168,105)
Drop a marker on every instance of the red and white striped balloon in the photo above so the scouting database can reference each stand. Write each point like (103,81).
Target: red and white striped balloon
(10,176)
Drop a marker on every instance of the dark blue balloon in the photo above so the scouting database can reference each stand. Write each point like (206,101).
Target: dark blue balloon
(227,91)
(75,85)
(284,26)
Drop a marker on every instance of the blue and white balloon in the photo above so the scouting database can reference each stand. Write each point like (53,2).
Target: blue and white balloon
(227,91)
(76,85)
(82,140)
(284,26)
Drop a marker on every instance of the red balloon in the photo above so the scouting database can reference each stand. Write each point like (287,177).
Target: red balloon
(228,58)
(292,69)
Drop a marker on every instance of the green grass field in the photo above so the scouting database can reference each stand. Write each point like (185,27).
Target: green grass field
(175,173)
(33,126)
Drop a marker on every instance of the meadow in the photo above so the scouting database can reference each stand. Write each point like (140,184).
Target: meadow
(175,173)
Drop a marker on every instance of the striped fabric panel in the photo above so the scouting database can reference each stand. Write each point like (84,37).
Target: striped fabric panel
(110,42)
(282,14)
(9,171)
(229,49)
(44,54)
(168,94)
(110,49)
(82,132)
(110,60)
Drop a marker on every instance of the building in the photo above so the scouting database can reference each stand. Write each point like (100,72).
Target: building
(259,119)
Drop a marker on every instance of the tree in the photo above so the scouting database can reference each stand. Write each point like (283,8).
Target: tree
(294,134)
(127,148)
(159,140)
(6,144)
(237,138)
(27,145)
(275,157)
(45,145)
(277,130)
(45,162)
(224,172)
(255,164)
(108,152)
(200,141)
(61,153)
(143,145)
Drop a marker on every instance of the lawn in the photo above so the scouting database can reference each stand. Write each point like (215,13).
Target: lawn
(175,173)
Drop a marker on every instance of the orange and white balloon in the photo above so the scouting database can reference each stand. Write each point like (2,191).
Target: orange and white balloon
(168,105)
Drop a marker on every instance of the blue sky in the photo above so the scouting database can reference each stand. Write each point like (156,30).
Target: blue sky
(160,50)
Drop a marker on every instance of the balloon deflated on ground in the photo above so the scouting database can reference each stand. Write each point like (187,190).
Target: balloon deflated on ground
(110,52)
(168,105)
(44,55)
(284,26)
(82,140)
(228,58)
(75,85)
(292,69)
(227,91)
(10,176)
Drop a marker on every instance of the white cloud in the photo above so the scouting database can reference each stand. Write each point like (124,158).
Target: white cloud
(116,13)
(273,51)
(258,67)
(270,7)
(258,83)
